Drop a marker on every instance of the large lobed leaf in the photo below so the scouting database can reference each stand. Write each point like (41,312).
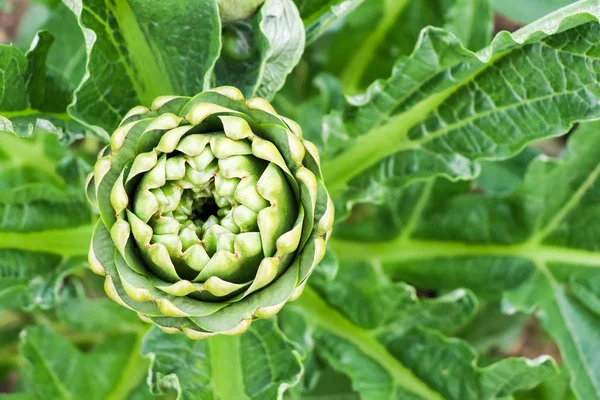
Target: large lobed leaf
(444,107)
(539,244)
(55,369)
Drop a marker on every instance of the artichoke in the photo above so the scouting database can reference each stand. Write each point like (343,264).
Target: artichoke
(213,212)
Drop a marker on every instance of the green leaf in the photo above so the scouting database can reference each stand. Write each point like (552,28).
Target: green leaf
(380,335)
(439,119)
(539,243)
(55,369)
(504,177)
(471,21)
(132,59)
(91,315)
(259,53)
(493,331)
(261,364)
(556,388)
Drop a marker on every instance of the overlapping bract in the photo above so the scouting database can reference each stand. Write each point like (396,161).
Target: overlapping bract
(213,212)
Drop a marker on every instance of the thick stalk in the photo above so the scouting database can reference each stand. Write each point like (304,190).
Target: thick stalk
(226,365)
(67,242)
(396,252)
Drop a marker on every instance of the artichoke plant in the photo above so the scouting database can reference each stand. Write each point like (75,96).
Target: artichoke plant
(213,212)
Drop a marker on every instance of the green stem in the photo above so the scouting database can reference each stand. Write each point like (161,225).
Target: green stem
(226,366)
(68,242)
(396,252)
(317,310)
(361,58)
(135,370)
(31,111)
(380,142)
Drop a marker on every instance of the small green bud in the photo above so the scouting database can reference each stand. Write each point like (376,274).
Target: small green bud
(235,10)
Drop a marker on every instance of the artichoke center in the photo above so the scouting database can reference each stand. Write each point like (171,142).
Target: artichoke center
(204,208)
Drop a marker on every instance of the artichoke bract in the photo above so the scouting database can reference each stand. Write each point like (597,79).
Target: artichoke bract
(213,212)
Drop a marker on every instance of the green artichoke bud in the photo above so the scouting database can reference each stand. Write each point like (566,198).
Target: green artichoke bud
(213,212)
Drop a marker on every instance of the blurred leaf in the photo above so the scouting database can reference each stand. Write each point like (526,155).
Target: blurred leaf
(492,330)
(55,369)
(66,57)
(528,11)
(45,220)
(384,30)
(91,315)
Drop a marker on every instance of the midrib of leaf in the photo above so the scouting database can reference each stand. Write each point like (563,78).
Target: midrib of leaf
(226,367)
(149,68)
(317,310)
(133,372)
(352,74)
(362,156)
(31,111)
(73,62)
(402,250)
(54,379)
(418,210)
(68,242)
(572,203)
(381,141)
